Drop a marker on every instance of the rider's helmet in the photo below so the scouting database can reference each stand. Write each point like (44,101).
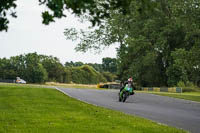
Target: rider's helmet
(130,79)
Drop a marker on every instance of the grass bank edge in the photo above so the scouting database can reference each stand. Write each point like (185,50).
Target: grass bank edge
(50,85)
(80,112)
(192,96)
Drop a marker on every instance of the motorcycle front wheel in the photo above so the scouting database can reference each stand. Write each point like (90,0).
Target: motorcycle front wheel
(124,96)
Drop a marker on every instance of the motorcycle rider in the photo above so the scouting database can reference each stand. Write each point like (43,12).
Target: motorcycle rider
(129,83)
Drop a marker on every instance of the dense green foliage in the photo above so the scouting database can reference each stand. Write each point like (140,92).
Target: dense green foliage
(26,109)
(28,67)
(86,75)
(6,7)
(110,77)
(159,46)
(36,68)
(108,65)
(56,71)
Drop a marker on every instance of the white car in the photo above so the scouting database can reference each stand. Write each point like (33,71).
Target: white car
(21,81)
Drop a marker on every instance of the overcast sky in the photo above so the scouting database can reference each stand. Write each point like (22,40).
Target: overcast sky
(27,34)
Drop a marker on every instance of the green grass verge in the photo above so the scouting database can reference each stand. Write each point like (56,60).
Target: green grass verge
(81,86)
(27,109)
(193,96)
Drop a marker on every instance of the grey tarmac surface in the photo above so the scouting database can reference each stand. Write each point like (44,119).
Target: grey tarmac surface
(170,111)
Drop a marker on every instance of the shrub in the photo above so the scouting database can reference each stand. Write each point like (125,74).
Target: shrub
(188,86)
(181,84)
(86,75)
(109,76)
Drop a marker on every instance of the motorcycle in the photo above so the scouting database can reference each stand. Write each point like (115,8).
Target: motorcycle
(125,93)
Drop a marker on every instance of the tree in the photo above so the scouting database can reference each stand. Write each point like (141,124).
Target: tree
(34,71)
(187,63)
(96,66)
(36,74)
(69,64)
(95,10)
(6,7)
(7,69)
(109,65)
(67,75)
(73,64)
(53,67)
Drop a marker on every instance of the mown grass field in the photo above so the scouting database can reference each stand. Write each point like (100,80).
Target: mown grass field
(28,109)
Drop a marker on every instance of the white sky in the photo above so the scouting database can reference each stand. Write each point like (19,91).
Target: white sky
(27,34)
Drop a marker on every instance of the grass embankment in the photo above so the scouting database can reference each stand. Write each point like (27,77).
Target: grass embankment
(189,93)
(53,84)
(81,86)
(26,109)
(193,96)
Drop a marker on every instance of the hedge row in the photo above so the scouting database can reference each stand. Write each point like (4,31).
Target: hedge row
(87,75)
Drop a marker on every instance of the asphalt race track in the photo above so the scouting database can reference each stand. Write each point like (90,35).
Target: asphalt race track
(174,112)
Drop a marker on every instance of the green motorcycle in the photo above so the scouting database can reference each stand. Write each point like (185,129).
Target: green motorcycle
(125,93)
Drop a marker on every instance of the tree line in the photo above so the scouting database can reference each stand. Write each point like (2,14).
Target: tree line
(36,68)
(159,40)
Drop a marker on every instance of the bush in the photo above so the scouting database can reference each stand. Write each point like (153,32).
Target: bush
(109,76)
(86,75)
(188,89)
(181,84)
(188,86)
